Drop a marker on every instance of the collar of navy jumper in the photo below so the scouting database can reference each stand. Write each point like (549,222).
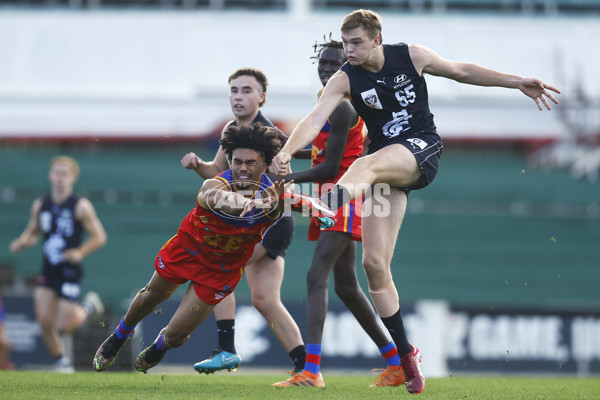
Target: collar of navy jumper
(259,118)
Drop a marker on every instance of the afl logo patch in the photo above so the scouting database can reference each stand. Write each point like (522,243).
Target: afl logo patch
(371,100)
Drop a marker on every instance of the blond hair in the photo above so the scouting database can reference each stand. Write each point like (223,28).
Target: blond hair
(69,161)
(369,20)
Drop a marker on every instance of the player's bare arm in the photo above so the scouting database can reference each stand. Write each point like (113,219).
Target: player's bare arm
(32,231)
(269,201)
(304,154)
(86,214)
(216,195)
(340,122)
(283,138)
(207,169)
(308,128)
(427,61)
(192,161)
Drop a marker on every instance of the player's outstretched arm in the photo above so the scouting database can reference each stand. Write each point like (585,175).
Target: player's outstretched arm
(539,92)
(215,195)
(270,200)
(203,168)
(207,169)
(428,61)
(340,121)
(309,127)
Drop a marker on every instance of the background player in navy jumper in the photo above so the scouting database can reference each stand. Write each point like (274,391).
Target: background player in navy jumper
(62,217)
(386,86)
(247,94)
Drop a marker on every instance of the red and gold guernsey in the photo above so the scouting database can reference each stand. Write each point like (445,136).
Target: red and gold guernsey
(353,150)
(347,218)
(228,239)
(212,247)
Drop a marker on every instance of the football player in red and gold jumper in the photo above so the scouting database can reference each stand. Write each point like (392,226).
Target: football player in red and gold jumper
(212,245)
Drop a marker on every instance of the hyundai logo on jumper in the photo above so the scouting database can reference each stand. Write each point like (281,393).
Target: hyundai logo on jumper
(401,80)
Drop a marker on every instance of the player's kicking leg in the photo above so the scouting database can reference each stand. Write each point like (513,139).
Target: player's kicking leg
(312,206)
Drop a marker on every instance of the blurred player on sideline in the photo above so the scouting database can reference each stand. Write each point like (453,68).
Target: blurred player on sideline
(386,86)
(62,217)
(337,146)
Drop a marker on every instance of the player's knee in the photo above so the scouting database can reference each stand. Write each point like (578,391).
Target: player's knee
(316,281)
(374,264)
(173,340)
(345,291)
(365,165)
(150,297)
(264,303)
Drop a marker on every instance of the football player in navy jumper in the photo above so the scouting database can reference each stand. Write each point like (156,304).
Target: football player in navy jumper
(63,218)
(387,88)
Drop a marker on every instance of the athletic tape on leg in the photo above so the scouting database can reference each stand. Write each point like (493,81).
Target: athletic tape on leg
(386,300)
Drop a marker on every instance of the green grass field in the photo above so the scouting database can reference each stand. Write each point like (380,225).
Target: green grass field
(107,385)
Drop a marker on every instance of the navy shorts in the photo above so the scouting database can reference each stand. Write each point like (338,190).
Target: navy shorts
(427,149)
(64,278)
(278,237)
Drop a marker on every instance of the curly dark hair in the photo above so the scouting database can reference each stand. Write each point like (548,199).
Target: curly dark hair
(254,136)
(319,47)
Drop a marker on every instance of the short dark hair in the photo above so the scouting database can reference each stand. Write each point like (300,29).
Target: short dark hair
(319,47)
(256,136)
(260,77)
